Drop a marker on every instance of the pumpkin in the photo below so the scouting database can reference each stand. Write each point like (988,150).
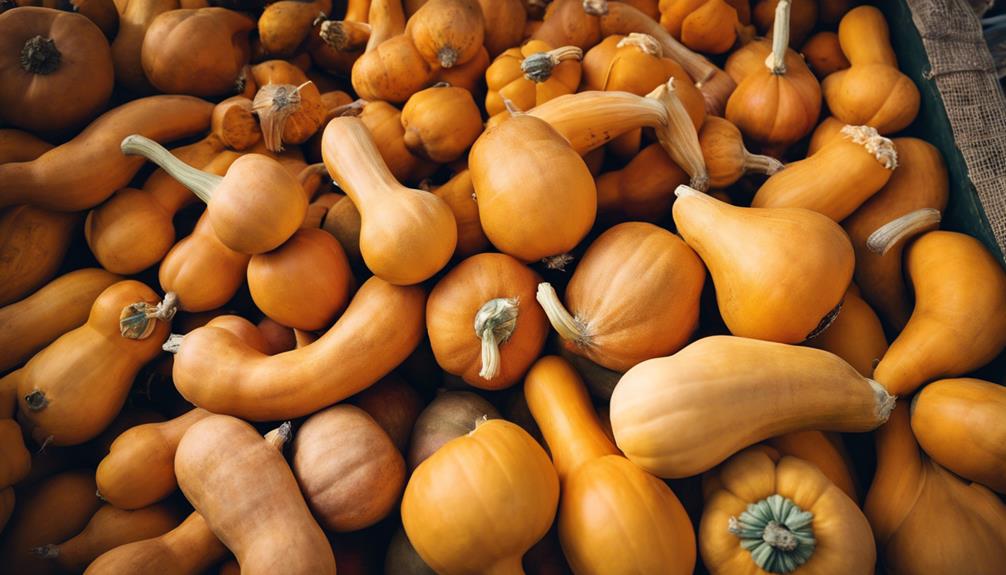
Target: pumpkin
(255,207)
(825,451)
(283,26)
(469,75)
(836,179)
(872,91)
(392,71)
(304,283)
(748,59)
(459,193)
(727,160)
(524,166)
(57,307)
(494,489)
(86,170)
(778,104)
(139,468)
(33,243)
(451,414)
(289,106)
(827,130)
(384,122)
(335,45)
(643,189)
(189,549)
(824,54)
(782,298)
(608,504)
(230,475)
(959,320)
(505,20)
(956,422)
(174,65)
(570,22)
(351,482)
(782,515)
(926,519)
(441,123)
(135,17)
(920,182)
(110,527)
(102,12)
(531,75)
(612,315)
(856,335)
(705,401)
(56,73)
(395,405)
(495,294)
(708,26)
(15,461)
(447,33)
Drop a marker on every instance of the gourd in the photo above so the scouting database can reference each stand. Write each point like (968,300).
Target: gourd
(109,528)
(824,54)
(189,549)
(825,451)
(926,519)
(803,19)
(15,461)
(957,423)
(56,70)
(727,160)
(244,489)
(139,468)
(470,75)
(102,12)
(447,33)
(406,235)
(33,243)
(872,91)
(505,21)
(381,317)
(920,182)
(536,196)
(283,26)
(441,123)
(304,283)
(782,515)
(836,179)
(20,146)
(748,59)
(494,293)
(451,414)
(335,45)
(643,189)
(777,104)
(288,105)
(350,473)
(706,402)
(57,307)
(782,298)
(343,221)
(384,122)
(135,17)
(856,335)
(531,75)
(493,489)
(608,504)
(634,296)
(86,170)
(391,68)
(570,22)
(210,68)
(959,320)
(827,130)
(459,193)
(708,26)
(255,207)
(395,405)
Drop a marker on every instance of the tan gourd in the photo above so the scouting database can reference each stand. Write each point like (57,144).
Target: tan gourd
(708,26)
(441,123)
(189,549)
(451,414)
(459,193)
(384,122)
(856,335)
(395,405)
(824,54)
(447,33)
(727,160)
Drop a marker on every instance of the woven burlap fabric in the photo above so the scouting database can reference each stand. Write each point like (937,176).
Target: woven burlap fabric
(964,73)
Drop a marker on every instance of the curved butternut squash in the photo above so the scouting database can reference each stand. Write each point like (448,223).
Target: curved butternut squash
(33,242)
(774,388)
(532,74)
(856,335)
(828,129)
(826,452)
(189,549)
(451,414)
(643,189)
(726,157)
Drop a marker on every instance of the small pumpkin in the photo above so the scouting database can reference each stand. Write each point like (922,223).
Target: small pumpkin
(289,106)
(441,123)
(283,26)
(824,54)
(447,33)
(532,74)
(505,21)
(708,26)
(727,160)
(395,405)
(451,414)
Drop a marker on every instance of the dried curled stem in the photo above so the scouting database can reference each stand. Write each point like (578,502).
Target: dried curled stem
(538,67)
(274,104)
(138,320)
(882,148)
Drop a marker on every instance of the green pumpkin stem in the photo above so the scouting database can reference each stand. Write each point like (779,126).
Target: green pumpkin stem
(777,532)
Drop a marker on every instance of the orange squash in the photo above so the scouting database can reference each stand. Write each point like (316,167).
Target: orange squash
(470,75)
(56,72)
(135,17)
(384,122)
(608,504)
(825,451)
(802,20)
(612,315)
(20,146)
(532,74)
(782,298)
(495,293)
(283,26)
(959,320)
(289,106)
(447,33)
(856,335)
(827,130)
(782,515)
(459,193)
(189,549)
(727,160)
(441,123)
(343,221)
(395,405)
(102,12)
(683,414)
(708,26)
(33,243)
(748,59)
(451,414)
(505,21)
(494,488)
(824,54)
(570,22)
(643,189)
(391,69)
(335,45)
(926,519)
(15,461)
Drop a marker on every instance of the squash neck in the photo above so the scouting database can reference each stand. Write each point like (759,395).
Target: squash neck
(199,182)
(344,36)
(357,166)
(507,566)
(680,138)
(903,228)
(280,436)
(777,532)
(138,320)
(40,56)
(494,324)
(759,164)
(881,148)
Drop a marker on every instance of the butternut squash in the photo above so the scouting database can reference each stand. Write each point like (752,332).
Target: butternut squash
(441,123)
(189,549)
(856,335)
(283,26)
(391,68)
(828,129)
(531,75)
(33,243)
(135,17)
(384,122)
(643,189)
(704,401)
(726,157)
(505,20)
(451,414)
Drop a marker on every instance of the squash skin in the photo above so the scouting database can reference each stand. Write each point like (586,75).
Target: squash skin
(828,129)
(33,242)
(189,549)
(15,461)
(384,122)
(726,158)
(643,190)
(566,23)
(505,79)
(705,399)
(244,489)
(824,450)
(824,54)
(505,24)
(21,146)
(856,335)
(441,123)
(803,17)
(451,414)
(63,99)
(447,33)
(395,405)
(506,506)
(283,26)
(459,193)
(708,26)
(135,17)
(958,423)
(959,320)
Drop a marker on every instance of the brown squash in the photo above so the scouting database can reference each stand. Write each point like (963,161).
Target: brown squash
(283,26)
(825,451)
(441,123)
(570,22)
(532,74)
(634,296)
(135,17)
(6,506)
(447,33)
(505,21)
(350,472)
(395,405)
(33,242)
(451,414)
(189,549)
(392,71)
(824,54)
(643,189)
(856,335)
(19,146)
(15,461)
(384,122)
(708,26)
(727,160)
(102,12)
(802,19)
(335,45)
(459,193)
(495,293)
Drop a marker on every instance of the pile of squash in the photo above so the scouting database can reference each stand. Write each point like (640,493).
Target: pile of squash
(485,286)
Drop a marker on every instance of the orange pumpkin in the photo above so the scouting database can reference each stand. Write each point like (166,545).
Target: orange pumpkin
(704,25)
(441,123)
(532,74)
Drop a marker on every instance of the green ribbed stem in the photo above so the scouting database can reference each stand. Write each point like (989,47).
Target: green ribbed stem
(777,532)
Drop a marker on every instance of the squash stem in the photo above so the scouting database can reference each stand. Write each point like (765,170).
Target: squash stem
(274,104)
(538,67)
(642,42)
(174,343)
(880,147)
(49,551)
(759,164)
(280,436)
(138,320)
(570,328)
(907,226)
(885,401)
(777,532)
(199,182)
(595,7)
(494,324)
(780,39)
(680,139)
(40,56)
(345,36)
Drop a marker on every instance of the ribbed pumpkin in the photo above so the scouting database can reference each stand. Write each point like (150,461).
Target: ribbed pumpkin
(532,74)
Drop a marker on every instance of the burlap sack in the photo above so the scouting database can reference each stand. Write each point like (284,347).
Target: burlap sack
(965,75)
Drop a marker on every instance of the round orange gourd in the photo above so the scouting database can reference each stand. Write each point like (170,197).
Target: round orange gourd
(451,414)
(447,33)
(634,296)
(782,515)
(495,294)
(470,75)
(826,451)
(189,549)
(824,54)
(33,243)
(459,193)
(493,489)
(532,74)
(727,160)
(748,59)
(643,189)
(704,25)
(441,123)
(608,504)
(802,20)
(570,22)
(856,335)
(392,71)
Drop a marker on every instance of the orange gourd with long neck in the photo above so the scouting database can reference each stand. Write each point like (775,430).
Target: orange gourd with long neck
(608,504)
(644,189)
(727,160)
(531,75)
(708,26)
(824,450)
(763,291)
(959,320)
(827,130)
(856,335)
(926,519)
(406,235)
(872,91)
(778,104)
